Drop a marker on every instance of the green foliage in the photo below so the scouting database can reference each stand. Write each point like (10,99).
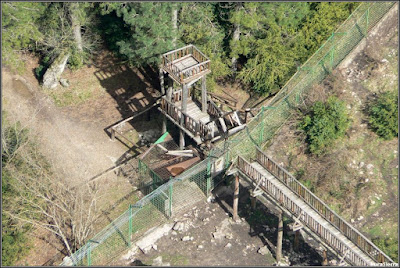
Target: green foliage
(150,30)
(198,26)
(389,246)
(14,241)
(325,123)
(19,29)
(383,115)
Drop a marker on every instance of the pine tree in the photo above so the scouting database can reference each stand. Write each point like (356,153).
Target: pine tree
(149,30)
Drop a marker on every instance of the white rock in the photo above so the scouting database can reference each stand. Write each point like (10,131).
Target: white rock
(174,233)
(200,246)
(366,180)
(360,218)
(361,164)
(264,250)
(187,238)
(383,203)
(206,219)
(369,166)
(373,202)
(352,220)
(154,247)
(229,245)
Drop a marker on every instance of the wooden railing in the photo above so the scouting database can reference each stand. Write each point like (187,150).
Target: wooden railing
(213,109)
(286,201)
(169,58)
(191,124)
(324,210)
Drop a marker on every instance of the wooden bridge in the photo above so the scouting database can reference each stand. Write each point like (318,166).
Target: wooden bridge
(301,204)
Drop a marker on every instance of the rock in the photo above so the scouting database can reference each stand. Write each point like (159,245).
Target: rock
(229,236)
(64,82)
(206,219)
(151,237)
(154,247)
(369,166)
(158,262)
(372,202)
(366,180)
(200,247)
(264,250)
(187,238)
(67,261)
(361,164)
(352,220)
(53,73)
(179,226)
(218,235)
(229,245)
(360,218)
(174,233)
(383,203)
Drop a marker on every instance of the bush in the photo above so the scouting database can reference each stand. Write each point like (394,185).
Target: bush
(324,123)
(382,115)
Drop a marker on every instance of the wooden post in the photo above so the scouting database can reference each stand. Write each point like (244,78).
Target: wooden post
(161,74)
(184,109)
(164,122)
(296,241)
(170,89)
(253,201)
(203,94)
(236,199)
(247,112)
(280,237)
(325,258)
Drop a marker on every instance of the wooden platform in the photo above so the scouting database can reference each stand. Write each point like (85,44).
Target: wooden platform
(185,62)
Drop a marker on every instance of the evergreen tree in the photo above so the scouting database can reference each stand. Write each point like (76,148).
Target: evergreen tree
(149,30)
(19,29)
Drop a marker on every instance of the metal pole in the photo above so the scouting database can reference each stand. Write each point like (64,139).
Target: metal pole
(130,226)
(170,199)
(236,199)
(89,253)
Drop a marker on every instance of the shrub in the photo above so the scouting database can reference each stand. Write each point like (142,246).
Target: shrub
(382,115)
(324,123)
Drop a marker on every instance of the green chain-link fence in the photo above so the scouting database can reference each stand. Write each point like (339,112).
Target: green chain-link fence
(195,184)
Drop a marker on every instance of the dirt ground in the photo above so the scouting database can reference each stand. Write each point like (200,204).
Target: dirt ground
(206,235)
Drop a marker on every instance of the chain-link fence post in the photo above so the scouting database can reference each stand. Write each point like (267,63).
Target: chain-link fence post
(130,226)
(332,50)
(170,198)
(89,253)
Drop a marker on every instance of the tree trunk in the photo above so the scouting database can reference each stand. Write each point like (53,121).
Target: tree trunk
(76,25)
(175,23)
(236,37)
(52,76)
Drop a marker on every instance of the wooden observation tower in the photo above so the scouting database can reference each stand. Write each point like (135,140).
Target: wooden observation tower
(196,116)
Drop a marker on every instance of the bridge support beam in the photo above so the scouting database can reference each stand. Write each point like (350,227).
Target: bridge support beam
(296,241)
(162,88)
(203,95)
(236,199)
(184,109)
(280,237)
(325,259)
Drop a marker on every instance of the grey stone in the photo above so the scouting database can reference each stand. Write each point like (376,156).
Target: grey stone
(64,82)
(264,250)
(187,238)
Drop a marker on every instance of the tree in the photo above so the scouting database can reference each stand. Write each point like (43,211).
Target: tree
(324,123)
(269,30)
(383,115)
(33,196)
(198,25)
(19,29)
(149,30)
(68,37)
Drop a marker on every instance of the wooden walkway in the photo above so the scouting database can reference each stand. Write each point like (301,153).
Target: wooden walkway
(309,211)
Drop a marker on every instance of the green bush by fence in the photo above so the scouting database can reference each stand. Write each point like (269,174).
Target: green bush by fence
(179,193)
